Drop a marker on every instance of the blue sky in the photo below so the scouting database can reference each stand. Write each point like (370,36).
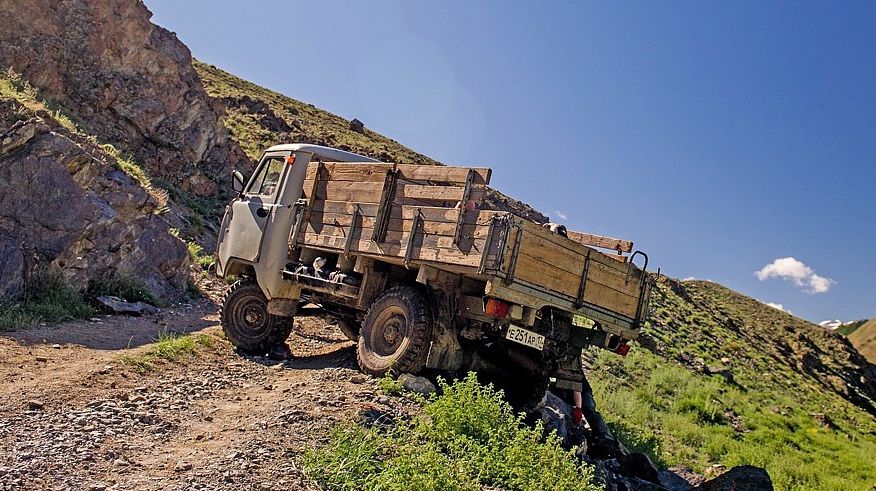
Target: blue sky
(718,136)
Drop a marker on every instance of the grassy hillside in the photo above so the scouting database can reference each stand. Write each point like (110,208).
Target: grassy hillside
(258,118)
(864,340)
(730,381)
(850,327)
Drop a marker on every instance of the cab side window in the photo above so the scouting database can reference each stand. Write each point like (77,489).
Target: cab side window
(268,177)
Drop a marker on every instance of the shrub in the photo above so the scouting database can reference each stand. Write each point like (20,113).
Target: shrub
(48,297)
(467,438)
(124,285)
(198,256)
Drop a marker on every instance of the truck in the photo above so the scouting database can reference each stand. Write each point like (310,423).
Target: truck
(416,266)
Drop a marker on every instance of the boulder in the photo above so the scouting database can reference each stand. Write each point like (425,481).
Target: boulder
(64,203)
(130,81)
(418,385)
(740,478)
(357,126)
(117,305)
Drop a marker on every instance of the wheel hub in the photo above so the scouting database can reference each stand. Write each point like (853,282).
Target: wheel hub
(253,317)
(391,331)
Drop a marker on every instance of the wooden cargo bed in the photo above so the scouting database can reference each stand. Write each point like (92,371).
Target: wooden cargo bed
(413,214)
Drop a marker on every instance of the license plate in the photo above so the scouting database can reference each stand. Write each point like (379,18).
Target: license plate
(525,337)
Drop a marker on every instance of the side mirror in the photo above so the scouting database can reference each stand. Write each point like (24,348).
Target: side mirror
(237,181)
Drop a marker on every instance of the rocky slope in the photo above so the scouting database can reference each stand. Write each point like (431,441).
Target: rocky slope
(126,79)
(65,202)
(864,340)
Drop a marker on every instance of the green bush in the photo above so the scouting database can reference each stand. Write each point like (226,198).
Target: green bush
(198,256)
(123,285)
(467,438)
(48,297)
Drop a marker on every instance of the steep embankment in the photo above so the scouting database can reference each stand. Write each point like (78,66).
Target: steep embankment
(729,380)
(131,125)
(864,339)
(72,204)
(258,118)
(127,80)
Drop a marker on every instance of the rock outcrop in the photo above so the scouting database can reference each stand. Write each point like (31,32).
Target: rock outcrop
(131,82)
(64,202)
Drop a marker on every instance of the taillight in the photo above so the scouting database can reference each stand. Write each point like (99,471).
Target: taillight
(290,159)
(496,308)
(622,349)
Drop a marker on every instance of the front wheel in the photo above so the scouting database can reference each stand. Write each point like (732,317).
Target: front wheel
(246,321)
(395,333)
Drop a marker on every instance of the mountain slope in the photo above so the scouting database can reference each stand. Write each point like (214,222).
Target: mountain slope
(864,339)
(727,380)
(258,118)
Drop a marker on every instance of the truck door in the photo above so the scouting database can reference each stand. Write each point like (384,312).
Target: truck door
(247,217)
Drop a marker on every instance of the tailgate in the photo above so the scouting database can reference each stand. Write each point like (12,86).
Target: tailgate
(563,273)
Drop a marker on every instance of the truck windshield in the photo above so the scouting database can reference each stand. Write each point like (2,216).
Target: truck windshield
(265,182)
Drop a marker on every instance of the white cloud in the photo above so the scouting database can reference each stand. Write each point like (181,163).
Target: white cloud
(788,268)
(561,215)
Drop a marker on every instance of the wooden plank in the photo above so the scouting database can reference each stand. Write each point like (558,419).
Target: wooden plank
(356,172)
(368,221)
(534,270)
(607,271)
(368,171)
(565,243)
(601,241)
(444,173)
(371,192)
(421,252)
(397,228)
(421,192)
(613,300)
(430,213)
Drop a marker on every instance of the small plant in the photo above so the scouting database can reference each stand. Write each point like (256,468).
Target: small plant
(48,297)
(198,256)
(169,346)
(390,385)
(468,438)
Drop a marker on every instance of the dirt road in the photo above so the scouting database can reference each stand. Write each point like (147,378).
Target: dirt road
(73,415)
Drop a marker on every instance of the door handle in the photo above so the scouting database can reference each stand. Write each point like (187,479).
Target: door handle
(262,212)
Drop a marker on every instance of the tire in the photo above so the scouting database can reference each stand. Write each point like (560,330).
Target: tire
(246,321)
(395,334)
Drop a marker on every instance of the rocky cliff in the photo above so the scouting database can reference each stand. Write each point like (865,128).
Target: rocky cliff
(65,202)
(126,80)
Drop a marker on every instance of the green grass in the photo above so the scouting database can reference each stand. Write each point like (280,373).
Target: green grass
(13,86)
(850,327)
(308,124)
(682,417)
(466,438)
(47,298)
(124,285)
(198,255)
(168,347)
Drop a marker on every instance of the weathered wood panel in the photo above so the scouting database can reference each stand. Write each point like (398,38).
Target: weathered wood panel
(425,249)
(366,171)
(601,241)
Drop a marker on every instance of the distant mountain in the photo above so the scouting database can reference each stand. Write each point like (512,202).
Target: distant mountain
(831,324)
(864,339)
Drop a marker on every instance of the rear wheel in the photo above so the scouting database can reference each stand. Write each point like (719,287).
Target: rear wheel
(246,321)
(395,333)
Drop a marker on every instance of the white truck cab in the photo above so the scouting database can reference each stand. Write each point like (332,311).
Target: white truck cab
(254,234)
